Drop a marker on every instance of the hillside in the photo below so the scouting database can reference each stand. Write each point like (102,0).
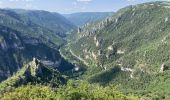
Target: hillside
(21,40)
(34,72)
(120,56)
(38,81)
(28,28)
(55,22)
(135,32)
(82,18)
(129,49)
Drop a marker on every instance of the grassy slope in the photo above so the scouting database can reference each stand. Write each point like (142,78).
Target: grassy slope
(142,32)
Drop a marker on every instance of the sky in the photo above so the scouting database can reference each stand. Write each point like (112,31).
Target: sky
(71,6)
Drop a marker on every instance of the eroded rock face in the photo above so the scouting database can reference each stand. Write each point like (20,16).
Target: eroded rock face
(97,43)
(33,68)
(166,19)
(10,41)
(51,63)
(15,51)
(34,72)
(110,48)
(94,55)
(3,45)
(120,51)
(163,68)
(128,70)
(31,41)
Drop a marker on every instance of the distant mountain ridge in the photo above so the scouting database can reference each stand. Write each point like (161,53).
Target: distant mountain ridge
(28,28)
(49,20)
(82,18)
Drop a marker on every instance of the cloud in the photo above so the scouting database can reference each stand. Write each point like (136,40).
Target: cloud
(84,0)
(29,5)
(20,0)
(131,0)
(1,3)
(74,3)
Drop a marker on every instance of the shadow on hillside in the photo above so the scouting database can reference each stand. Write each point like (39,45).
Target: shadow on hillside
(106,76)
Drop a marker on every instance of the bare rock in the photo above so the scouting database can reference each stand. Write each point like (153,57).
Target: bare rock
(163,68)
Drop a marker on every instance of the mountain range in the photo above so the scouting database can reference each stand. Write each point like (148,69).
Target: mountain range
(95,56)
(82,18)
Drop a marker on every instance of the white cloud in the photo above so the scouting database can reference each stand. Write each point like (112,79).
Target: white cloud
(84,0)
(1,3)
(20,0)
(74,3)
(131,0)
(29,5)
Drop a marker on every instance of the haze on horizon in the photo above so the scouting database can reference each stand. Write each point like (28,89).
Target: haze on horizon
(71,6)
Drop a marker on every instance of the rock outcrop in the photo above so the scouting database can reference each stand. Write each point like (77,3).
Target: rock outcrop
(34,72)
(33,68)
(163,68)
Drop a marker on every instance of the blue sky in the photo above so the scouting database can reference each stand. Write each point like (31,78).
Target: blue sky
(71,6)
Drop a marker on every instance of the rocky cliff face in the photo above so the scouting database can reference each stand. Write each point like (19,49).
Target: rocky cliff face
(16,50)
(24,36)
(34,72)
